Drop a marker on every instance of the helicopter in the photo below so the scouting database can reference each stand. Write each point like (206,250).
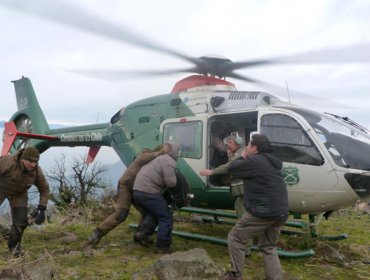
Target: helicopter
(325,157)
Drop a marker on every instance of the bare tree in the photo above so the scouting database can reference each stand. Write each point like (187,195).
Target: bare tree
(76,185)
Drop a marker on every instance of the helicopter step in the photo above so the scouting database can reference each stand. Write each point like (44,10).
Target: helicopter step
(314,220)
(220,241)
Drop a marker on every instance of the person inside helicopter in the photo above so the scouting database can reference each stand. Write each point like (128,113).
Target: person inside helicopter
(218,149)
(234,144)
(220,127)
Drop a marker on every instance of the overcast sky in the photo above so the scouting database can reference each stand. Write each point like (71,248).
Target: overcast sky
(44,50)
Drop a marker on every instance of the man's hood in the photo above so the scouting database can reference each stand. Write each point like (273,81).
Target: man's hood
(276,162)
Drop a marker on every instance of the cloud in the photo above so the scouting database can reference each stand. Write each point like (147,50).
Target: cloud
(240,30)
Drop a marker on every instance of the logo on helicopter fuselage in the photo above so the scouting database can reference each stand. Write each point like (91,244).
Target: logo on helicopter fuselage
(290,175)
(88,137)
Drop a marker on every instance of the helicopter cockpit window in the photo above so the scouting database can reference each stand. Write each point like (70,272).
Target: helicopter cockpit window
(289,140)
(116,117)
(348,145)
(188,135)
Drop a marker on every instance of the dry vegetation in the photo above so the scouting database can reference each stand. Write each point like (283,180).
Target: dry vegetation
(117,257)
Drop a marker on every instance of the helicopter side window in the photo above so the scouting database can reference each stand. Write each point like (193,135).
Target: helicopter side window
(188,135)
(289,140)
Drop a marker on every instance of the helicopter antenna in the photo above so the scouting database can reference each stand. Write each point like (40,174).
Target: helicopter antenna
(287,89)
(97,117)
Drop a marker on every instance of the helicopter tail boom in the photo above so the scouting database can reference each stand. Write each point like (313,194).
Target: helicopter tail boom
(11,134)
(28,126)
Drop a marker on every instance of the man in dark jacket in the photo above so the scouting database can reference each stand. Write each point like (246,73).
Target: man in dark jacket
(266,203)
(17,174)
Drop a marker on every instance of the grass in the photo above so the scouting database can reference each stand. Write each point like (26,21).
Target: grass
(117,257)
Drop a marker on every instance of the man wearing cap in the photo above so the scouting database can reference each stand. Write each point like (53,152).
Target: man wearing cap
(235,147)
(18,173)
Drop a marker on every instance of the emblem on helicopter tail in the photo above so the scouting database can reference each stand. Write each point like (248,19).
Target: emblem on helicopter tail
(290,175)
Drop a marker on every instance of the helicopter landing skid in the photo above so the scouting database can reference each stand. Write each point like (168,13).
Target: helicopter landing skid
(215,240)
(314,220)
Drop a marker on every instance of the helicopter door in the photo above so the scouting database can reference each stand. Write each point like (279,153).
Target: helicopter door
(301,157)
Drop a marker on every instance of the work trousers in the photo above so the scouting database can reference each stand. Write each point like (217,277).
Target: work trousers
(156,211)
(267,231)
(18,208)
(113,220)
(240,211)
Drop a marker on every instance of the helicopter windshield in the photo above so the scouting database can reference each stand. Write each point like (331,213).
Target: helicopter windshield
(347,144)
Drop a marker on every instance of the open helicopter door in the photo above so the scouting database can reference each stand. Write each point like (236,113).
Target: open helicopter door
(308,176)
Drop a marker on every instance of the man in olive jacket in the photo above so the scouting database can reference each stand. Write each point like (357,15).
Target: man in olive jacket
(235,147)
(266,204)
(17,174)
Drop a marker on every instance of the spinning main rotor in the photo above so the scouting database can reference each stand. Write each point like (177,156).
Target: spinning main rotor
(215,66)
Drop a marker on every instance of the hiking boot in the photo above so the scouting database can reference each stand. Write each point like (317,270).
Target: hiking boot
(16,251)
(163,250)
(94,238)
(142,239)
(231,275)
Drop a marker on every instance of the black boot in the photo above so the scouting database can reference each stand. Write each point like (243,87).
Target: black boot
(163,246)
(14,240)
(143,239)
(163,250)
(94,238)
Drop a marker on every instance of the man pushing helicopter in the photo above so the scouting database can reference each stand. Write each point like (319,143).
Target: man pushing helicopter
(125,198)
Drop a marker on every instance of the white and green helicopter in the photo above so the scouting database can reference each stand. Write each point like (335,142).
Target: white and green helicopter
(326,162)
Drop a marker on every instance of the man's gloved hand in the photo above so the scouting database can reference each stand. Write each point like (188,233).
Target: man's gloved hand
(40,215)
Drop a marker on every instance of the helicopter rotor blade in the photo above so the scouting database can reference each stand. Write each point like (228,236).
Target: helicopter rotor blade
(116,75)
(70,15)
(350,54)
